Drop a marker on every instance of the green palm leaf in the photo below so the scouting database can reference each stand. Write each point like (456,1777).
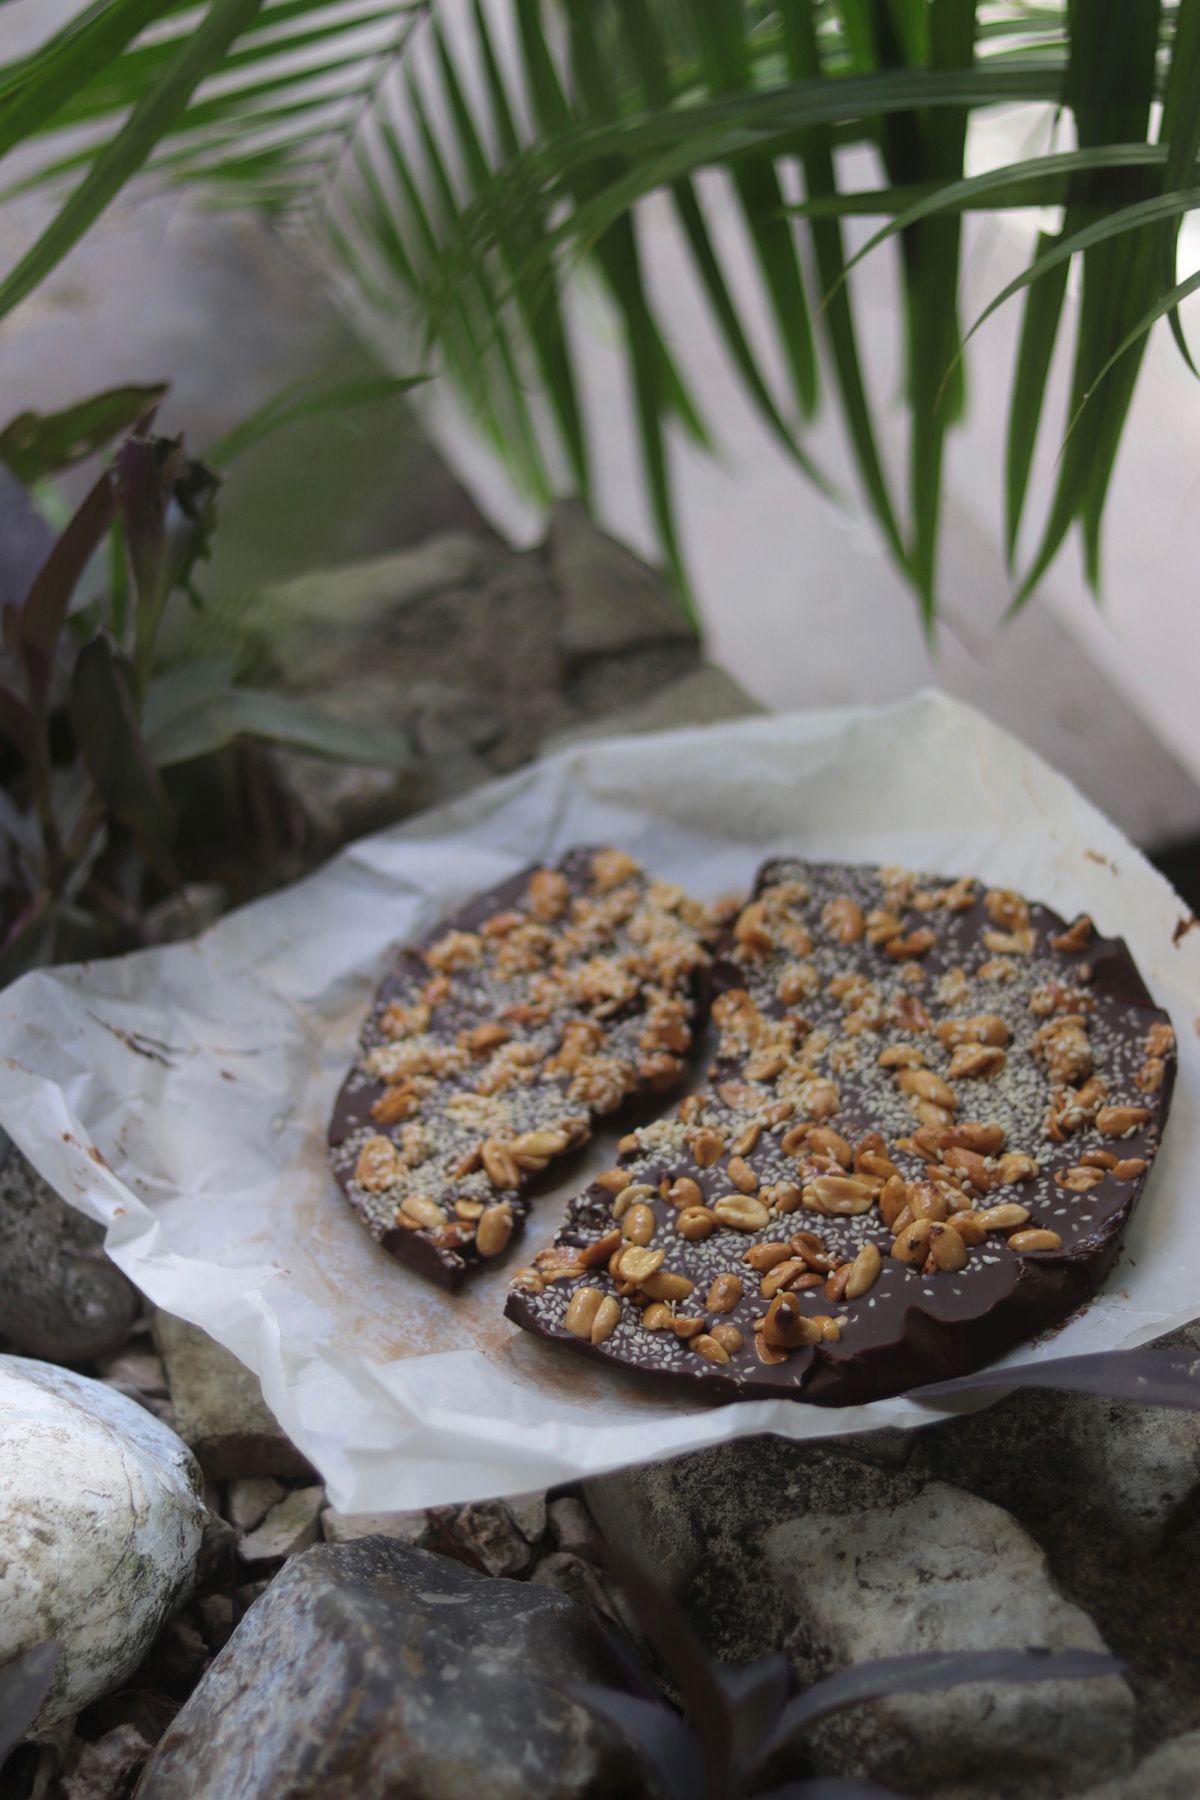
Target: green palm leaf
(460,177)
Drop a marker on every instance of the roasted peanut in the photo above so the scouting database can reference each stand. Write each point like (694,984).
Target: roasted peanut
(743,1212)
(724,1293)
(585,1304)
(1034,1240)
(864,1271)
(494,1230)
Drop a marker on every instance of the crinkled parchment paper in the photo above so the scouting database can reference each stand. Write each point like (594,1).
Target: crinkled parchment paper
(203,1075)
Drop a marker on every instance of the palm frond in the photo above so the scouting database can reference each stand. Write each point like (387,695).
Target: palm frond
(456,161)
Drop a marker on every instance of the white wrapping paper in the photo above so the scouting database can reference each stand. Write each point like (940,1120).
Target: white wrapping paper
(181,1095)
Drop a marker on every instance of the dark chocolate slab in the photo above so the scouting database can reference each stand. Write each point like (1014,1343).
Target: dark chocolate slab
(812,1057)
(494,1043)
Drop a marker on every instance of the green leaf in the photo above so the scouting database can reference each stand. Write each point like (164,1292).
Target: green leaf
(68,62)
(1180,131)
(1162,308)
(35,445)
(539,309)
(295,402)
(1039,330)
(44,608)
(961,196)
(223,714)
(114,752)
(838,318)
(197,56)
(727,69)
(646,51)
(1118,224)
(1111,82)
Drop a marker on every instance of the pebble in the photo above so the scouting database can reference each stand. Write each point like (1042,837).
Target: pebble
(291,1525)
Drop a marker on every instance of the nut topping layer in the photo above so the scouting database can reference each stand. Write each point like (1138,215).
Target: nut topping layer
(492,1048)
(931,1110)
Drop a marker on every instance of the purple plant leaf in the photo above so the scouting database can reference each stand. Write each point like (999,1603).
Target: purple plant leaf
(44,609)
(704,1699)
(669,1746)
(113,749)
(24,1684)
(28,940)
(17,722)
(756,1696)
(925,1671)
(1150,1377)
(146,468)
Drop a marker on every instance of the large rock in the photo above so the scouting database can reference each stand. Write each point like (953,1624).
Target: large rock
(1172,1772)
(1070,1465)
(100,1527)
(219,1409)
(944,1572)
(772,1545)
(60,1297)
(373,1669)
(611,600)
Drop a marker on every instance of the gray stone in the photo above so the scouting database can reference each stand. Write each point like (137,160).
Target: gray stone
(488,1531)
(703,697)
(713,1507)
(1172,1772)
(291,1525)
(373,1669)
(945,1572)
(296,614)
(1068,1463)
(528,1512)
(250,1500)
(60,1297)
(100,1525)
(219,1408)
(412,1528)
(105,1768)
(186,914)
(139,1370)
(572,1527)
(217,1619)
(572,1575)
(611,600)
(178,1657)
(767,1545)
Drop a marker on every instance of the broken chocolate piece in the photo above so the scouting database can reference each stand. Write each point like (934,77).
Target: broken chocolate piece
(493,1045)
(931,1114)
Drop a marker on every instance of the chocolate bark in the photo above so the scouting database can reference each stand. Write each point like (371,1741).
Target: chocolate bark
(888,1042)
(494,1043)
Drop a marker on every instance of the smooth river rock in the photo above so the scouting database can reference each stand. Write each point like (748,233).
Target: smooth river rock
(101,1522)
(373,1669)
(60,1297)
